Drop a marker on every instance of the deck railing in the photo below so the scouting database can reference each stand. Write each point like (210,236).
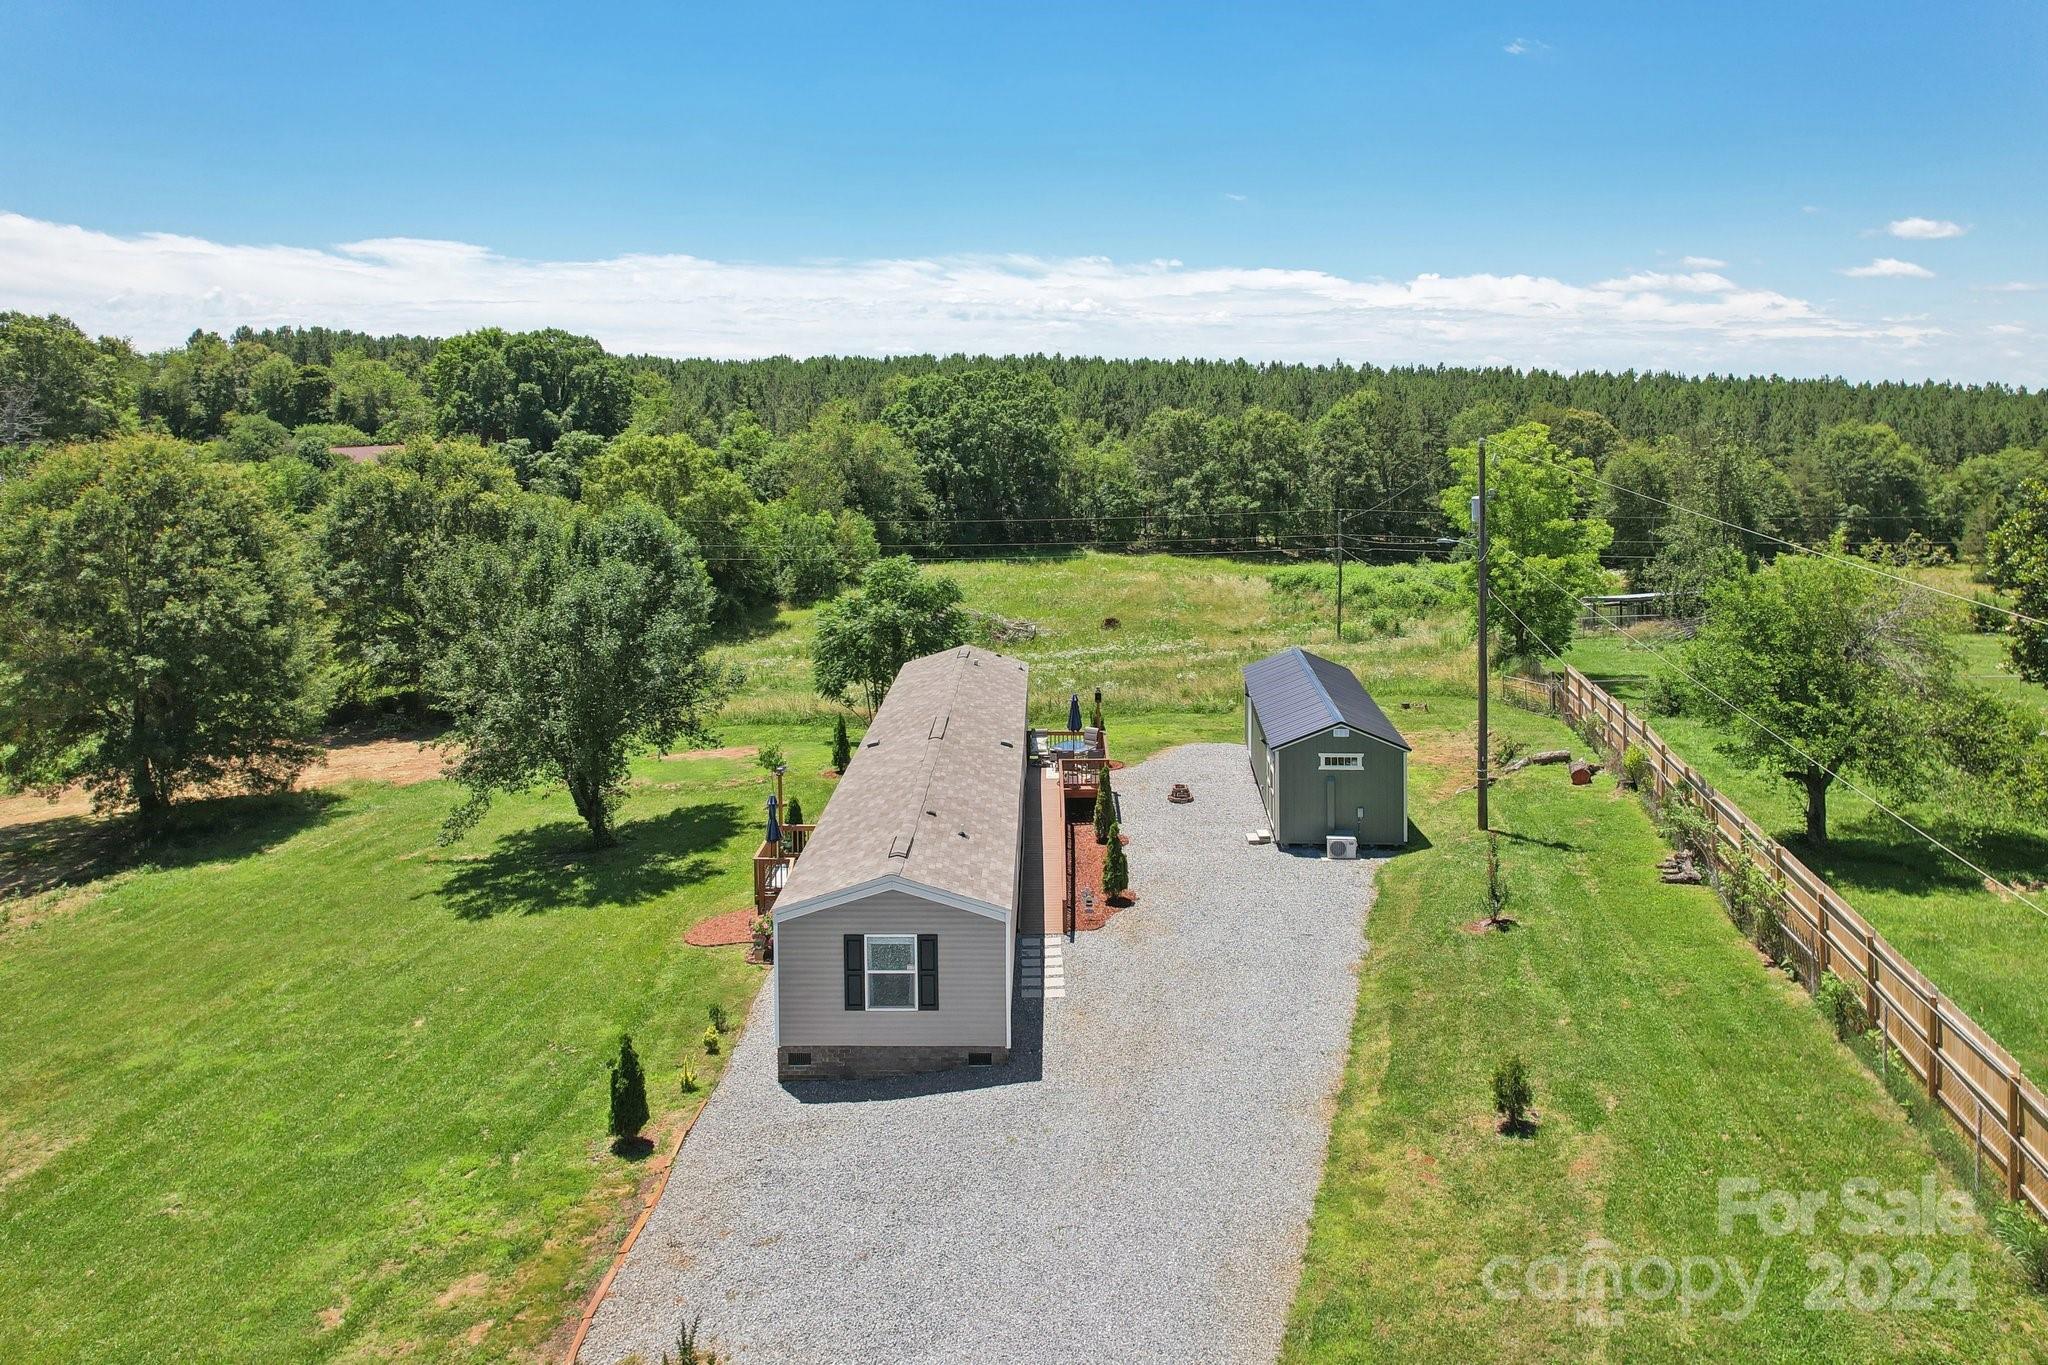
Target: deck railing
(1079,755)
(772,863)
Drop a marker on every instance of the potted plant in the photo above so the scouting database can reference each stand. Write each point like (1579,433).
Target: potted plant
(764,938)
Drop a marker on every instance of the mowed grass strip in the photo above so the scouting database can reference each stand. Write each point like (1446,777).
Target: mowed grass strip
(1987,952)
(317,1086)
(1665,1056)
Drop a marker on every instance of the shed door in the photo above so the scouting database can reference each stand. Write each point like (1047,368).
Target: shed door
(1329,804)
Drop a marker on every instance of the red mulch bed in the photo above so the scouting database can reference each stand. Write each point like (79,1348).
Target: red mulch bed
(1088,874)
(721,931)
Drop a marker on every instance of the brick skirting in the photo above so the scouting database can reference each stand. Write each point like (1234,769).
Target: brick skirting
(867,1062)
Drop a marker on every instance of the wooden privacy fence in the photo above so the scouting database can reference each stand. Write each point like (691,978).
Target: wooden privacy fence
(1966,1074)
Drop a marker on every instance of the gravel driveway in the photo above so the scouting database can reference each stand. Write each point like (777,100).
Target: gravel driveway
(1134,1185)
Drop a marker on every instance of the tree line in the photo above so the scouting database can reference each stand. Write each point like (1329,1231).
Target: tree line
(532,480)
(963,453)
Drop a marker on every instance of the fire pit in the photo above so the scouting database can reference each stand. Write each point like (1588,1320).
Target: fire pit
(1180,795)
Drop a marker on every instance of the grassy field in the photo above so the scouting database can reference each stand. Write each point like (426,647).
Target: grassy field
(298,1082)
(306,1084)
(1983,950)
(1183,627)
(1665,1058)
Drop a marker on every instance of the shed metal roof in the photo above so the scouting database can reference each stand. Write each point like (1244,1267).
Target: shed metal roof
(933,795)
(1297,694)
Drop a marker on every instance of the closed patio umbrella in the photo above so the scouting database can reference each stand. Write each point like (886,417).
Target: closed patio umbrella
(1074,712)
(774,825)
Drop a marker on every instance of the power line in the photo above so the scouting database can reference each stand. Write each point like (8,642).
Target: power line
(1863,564)
(1832,774)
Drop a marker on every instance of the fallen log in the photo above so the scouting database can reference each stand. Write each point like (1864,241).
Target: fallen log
(1541,756)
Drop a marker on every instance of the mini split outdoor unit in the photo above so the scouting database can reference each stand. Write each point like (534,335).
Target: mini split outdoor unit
(1341,846)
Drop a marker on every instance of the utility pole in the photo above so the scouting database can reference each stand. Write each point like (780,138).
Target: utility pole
(1479,524)
(1338,513)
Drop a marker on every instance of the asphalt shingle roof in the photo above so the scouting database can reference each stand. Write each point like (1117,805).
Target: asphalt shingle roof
(1297,693)
(934,793)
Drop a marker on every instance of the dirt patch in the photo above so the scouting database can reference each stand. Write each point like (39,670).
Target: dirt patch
(720,931)
(54,904)
(1484,925)
(1450,755)
(399,760)
(730,751)
(23,1153)
(468,1287)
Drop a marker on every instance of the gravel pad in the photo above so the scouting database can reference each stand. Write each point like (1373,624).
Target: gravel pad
(1134,1185)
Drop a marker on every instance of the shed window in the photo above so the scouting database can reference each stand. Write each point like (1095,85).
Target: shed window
(1343,760)
(892,971)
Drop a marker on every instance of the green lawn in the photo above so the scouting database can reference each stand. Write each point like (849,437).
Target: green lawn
(313,1085)
(1984,951)
(1666,1057)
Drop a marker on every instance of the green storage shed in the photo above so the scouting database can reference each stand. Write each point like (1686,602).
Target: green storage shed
(1326,759)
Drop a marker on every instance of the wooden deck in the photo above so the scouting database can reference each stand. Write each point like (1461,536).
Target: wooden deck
(772,863)
(1080,755)
(1042,899)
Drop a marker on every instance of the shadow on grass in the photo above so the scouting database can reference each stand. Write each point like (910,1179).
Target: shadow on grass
(636,1148)
(536,870)
(1418,842)
(1892,859)
(45,855)
(1562,845)
(754,622)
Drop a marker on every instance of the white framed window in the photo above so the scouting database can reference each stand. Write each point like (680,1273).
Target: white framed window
(1342,760)
(892,971)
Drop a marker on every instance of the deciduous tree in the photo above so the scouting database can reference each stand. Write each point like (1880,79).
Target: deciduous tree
(864,637)
(1544,540)
(57,383)
(2019,564)
(155,628)
(383,526)
(580,638)
(1815,668)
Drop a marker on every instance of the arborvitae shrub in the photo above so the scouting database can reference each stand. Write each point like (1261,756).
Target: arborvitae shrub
(842,747)
(1116,870)
(629,1092)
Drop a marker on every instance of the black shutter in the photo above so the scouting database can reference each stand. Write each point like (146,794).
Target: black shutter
(927,971)
(856,972)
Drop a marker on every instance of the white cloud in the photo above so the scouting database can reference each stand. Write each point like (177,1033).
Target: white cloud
(1234,198)
(1924,229)
(2008,329)
(1889,268)
(1702,263)
(2012,287)
(1526,47)
(1699,282)
(157,287)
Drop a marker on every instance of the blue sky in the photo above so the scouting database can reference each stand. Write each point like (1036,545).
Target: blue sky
(797,177)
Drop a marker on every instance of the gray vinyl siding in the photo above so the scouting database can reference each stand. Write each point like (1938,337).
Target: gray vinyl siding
(1307,792)
(974,976)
